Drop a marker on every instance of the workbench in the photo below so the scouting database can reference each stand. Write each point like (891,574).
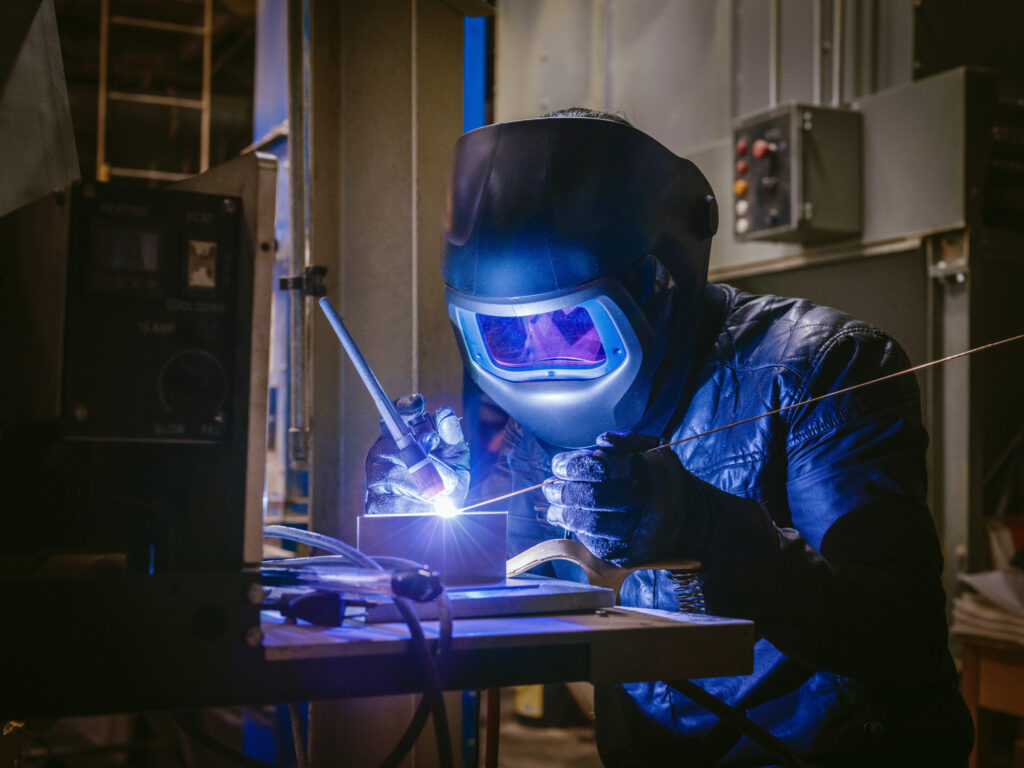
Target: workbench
(100,646)
(608,645)
(993,680)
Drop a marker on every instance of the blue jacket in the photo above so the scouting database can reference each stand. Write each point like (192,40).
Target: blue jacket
(822,538)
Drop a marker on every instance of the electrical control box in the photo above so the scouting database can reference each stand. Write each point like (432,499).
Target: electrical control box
(797,174)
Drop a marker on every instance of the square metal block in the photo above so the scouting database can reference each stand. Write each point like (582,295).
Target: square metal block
(465,549)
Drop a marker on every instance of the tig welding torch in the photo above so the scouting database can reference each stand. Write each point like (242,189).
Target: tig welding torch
(415,457)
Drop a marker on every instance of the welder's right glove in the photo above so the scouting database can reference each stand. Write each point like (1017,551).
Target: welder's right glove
(628,504)
(632,505)
(390,488)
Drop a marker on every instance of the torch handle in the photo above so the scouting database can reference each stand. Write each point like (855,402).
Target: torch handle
(423,471)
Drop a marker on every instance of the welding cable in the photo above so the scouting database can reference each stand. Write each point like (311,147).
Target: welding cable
(443,657)
(444,610)
(313,539)
(432,692)
(419,718)
(214,746)
(738,720)
(431,683)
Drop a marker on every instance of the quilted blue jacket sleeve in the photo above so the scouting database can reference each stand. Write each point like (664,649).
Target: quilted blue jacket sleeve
(850,582)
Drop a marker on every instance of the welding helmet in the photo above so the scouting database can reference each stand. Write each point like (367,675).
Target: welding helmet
(575,261)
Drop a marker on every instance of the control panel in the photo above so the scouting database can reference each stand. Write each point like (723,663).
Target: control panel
(133,419)
(152,305)
(797,174)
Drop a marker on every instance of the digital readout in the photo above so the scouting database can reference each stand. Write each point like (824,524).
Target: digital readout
(127,250)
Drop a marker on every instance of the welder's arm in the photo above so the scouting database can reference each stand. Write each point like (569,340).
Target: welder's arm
(868,601)
(868,604)
(390,488)
(852,586)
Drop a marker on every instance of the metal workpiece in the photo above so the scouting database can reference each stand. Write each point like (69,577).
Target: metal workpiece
(467,548)
(599,572)
(527,595)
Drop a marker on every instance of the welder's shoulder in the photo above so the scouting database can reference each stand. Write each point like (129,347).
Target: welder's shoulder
(803,342)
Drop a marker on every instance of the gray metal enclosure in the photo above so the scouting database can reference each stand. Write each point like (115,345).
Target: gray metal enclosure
(940,257)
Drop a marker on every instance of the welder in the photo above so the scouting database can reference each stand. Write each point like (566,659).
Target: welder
(576,270)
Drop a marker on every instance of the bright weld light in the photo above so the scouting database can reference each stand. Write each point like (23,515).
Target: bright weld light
(444,507)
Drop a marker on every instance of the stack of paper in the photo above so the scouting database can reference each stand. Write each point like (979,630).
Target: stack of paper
(996,610)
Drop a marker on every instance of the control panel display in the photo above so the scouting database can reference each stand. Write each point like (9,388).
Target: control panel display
(126,250)
(151,316)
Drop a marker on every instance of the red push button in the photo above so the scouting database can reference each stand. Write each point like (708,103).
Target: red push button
(741,147)
(762,148)
(741,167)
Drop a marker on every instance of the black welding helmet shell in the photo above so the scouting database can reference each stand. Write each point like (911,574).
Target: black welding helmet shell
(575,262)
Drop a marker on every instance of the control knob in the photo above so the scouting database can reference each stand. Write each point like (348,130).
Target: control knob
(193,385)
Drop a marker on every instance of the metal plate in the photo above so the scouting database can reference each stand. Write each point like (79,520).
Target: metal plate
(526,595)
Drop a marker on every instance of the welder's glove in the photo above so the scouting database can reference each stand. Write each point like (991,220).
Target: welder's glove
(625,503)
(390,488)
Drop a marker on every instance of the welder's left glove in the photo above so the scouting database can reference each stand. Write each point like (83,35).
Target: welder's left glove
(627,504)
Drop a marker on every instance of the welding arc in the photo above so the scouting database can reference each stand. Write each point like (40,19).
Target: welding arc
(777,411)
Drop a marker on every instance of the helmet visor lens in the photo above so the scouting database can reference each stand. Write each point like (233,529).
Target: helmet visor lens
(564,338)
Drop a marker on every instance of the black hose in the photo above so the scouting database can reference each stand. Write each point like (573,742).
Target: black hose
(408,739)
(214,746)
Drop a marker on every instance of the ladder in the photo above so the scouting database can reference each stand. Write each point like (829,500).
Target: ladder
(105,171)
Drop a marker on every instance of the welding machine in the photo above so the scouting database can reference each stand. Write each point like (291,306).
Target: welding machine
(134,326)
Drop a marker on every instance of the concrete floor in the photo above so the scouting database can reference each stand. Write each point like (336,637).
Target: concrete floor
(524,746)
(528,746)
